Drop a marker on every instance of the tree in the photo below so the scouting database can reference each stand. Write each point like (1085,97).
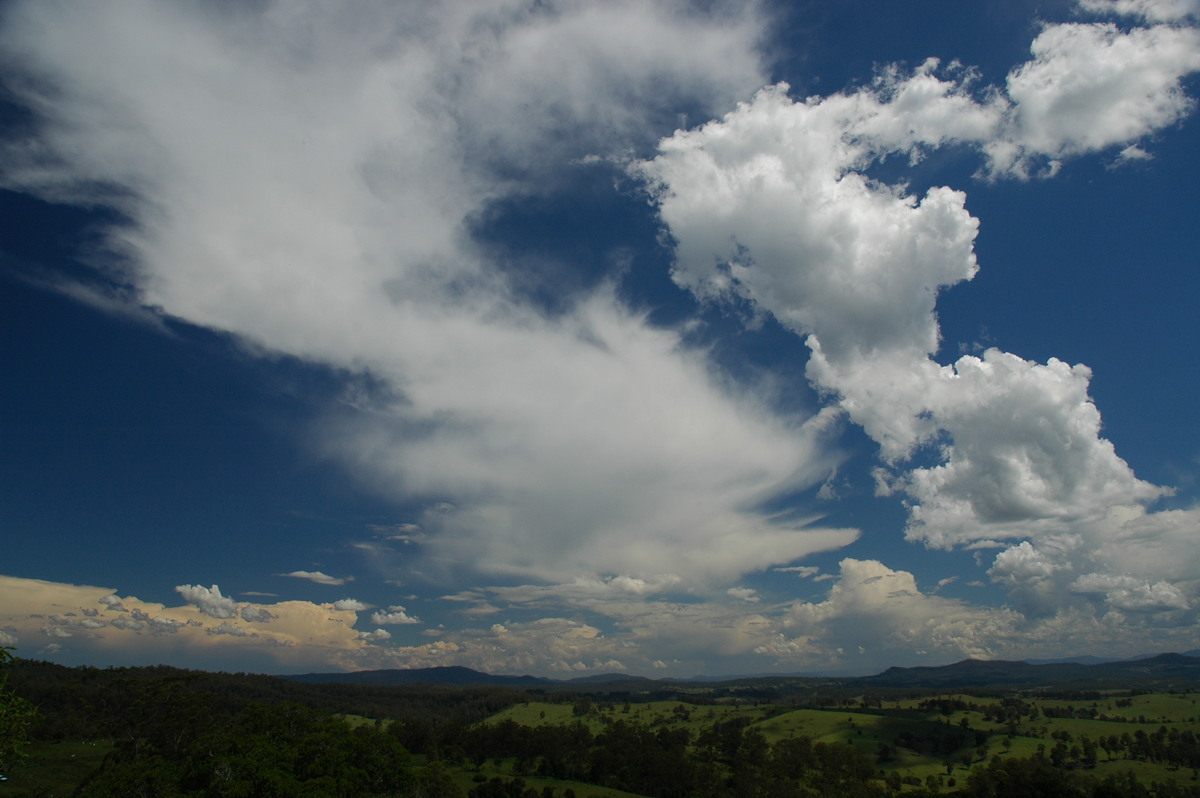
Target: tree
(16,719)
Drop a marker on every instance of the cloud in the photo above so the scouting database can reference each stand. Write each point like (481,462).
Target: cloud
(367,147)
(555,644)
(226,628)
(772,205)
(318,577)
(127,624)
(875,603)
(1090,86)
(377,636)
(252,614)
(1130,561)
(208,600)
(802,571)
(300,636)
(391,131)
(1128,594)
(394,615)
(1151,10)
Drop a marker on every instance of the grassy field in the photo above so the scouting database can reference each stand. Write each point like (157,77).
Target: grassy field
(53,770)
(672,714)
(467,778)
(869,729)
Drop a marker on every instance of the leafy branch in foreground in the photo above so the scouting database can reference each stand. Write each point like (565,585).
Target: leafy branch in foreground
(17,716)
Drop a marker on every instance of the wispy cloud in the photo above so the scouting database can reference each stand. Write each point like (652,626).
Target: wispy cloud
(319,577)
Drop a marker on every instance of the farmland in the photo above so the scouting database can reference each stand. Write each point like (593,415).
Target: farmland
(186,733)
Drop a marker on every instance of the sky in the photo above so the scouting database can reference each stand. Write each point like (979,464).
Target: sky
(569,337)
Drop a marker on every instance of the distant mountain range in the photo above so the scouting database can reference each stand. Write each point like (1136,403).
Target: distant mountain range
(454,675)
(1092,673)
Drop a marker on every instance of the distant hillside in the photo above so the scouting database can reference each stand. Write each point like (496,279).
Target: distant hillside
(1150,672)
(607,678)
(1157,671)
(443,675)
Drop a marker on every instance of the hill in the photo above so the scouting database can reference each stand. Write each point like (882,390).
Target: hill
(1149,673)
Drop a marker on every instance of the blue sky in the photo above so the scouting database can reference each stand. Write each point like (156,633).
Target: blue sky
(574,337)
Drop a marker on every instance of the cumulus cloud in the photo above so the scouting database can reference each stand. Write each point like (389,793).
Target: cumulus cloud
(318,577)
(1130,594)
(872,602)
(353,605)
(252,614)
(394,615)
(772,205)
(227,628)
(1090,86)
(376,636)
(558,644)
(161,625)
(208,600)
(1130,561)
(1151,10)
(301,635)
(127,624)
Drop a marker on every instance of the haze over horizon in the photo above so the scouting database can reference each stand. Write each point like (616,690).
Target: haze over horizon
(570,337)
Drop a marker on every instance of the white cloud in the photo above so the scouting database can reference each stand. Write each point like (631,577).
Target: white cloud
(387,129)
(1128,594)
(770,204)
(318,577)
(394,615)
(350,604)
(208,600)
(554,644)
(1130,561)
(377,636)
(873,602)
(744,593)
(113,603)
(1091,86)
(764,204)
(802,571)
(1151,10)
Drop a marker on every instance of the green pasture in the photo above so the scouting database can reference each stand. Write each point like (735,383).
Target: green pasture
(468,777)
(54,770)
(355,721)
(867,729)
(1155,707)
(670,714)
